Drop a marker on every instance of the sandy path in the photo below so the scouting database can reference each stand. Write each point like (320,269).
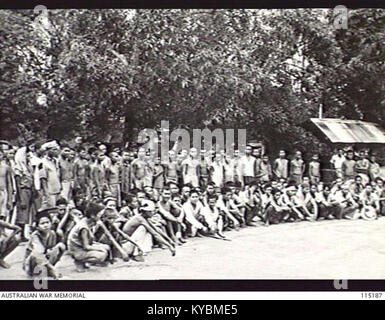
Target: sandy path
(306,250)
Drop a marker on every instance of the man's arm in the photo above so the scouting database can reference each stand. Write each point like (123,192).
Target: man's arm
(85,239)
(9,226)
(167,215)
(127,237)
(191,219)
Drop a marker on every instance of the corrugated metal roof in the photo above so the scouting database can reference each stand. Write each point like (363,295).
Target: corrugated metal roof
(350,131)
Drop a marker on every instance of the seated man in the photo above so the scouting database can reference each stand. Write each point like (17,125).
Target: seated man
(344,204)
(233,216)
(292,200)
(276,211)
(369,203)
(212,218)
(143,221)
(322,198)
(173,214)
(8,242)
(252,201)
(108,231)
(81,244)
(192,208)
(44,249)
(310,207)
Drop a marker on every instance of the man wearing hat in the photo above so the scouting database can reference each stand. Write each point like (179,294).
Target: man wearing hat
(49,174)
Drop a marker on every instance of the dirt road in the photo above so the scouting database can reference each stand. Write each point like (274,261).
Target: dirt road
(306,250)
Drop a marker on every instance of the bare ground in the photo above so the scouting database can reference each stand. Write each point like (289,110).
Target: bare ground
(306,250)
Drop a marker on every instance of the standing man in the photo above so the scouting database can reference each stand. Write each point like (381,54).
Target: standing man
(10,155)
(374,168)
(96,174)
(349,166)
(125,171)
(6,189)
(217,171)
(81,175)
(190,169)
(66,167)
(362,167)
(49,174)
(238,167)
(297,168)
(113,178)
(265,170)
(337,160)
(248,164)
(204,170)
(171,168)
(138,167)
(24,195)
(281,166)
(315,170)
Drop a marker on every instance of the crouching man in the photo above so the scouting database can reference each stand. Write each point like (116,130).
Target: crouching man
(81,244)
(44,249)
(8,241)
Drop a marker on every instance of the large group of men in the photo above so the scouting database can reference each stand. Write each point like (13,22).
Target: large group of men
(99,204)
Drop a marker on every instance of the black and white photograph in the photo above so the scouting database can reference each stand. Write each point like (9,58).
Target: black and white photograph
(179,144)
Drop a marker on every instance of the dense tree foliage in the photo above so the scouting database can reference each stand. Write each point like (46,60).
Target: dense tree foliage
(105,74)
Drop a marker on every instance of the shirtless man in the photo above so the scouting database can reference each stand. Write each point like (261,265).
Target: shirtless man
(138,167)
(281,166)
(190,169)
(6,189)
(113,178)
(171,168)
(8,241)
(348,168)
(81,175)
(173,214)
(146,210)
(204,172)
(96,174)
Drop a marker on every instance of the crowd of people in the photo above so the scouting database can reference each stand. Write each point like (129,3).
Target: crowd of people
(99,204)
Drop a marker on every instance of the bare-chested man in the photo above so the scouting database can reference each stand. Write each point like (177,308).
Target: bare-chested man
(138,167)
(6,188)
(190,169)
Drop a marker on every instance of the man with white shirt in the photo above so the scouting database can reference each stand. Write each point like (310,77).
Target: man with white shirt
(345,206)
(337,160)
(248,165)
(192,208)
(212,216)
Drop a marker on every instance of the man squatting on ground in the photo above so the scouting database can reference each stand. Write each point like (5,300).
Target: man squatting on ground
(100,204)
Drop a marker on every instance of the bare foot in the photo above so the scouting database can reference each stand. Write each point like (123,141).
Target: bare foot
(138,258)
(80,267)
